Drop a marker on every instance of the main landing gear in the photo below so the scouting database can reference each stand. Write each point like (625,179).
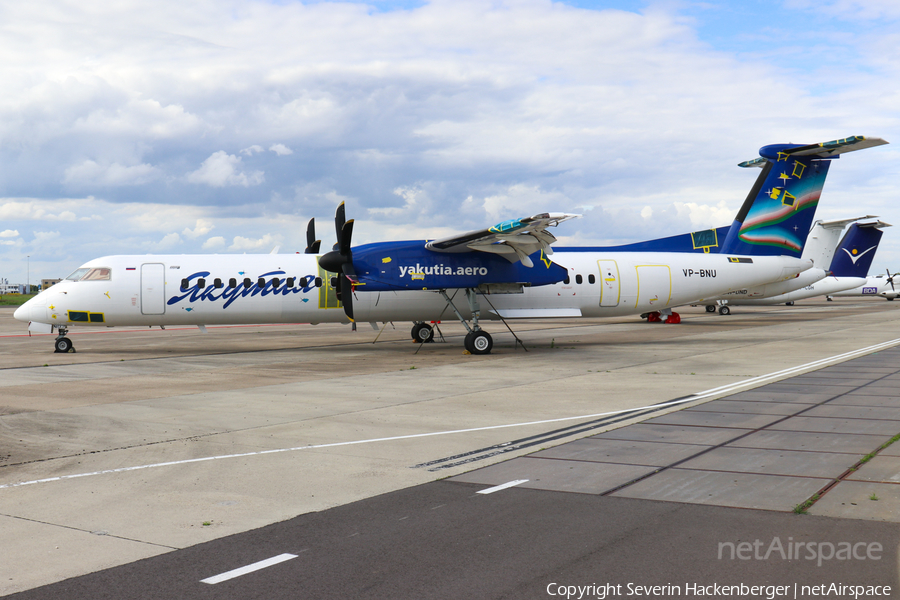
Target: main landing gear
(723,308)
(422,333)
(62,343)
(477,340)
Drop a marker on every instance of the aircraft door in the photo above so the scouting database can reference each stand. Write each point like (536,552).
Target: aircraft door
(153,289)
(654,285)
(609,283)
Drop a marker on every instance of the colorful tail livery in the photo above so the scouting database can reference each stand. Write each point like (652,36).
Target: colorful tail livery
(780,208)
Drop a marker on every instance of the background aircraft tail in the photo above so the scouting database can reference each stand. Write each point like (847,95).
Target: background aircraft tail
(856,251)
(781,205)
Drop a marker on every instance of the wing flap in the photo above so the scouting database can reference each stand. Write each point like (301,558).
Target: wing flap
(514,240)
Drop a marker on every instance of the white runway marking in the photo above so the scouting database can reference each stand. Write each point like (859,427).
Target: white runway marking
(719,391)
(502,486)
(248,569)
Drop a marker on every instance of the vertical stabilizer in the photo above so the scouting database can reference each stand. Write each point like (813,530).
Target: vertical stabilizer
(855,253)
(777,215)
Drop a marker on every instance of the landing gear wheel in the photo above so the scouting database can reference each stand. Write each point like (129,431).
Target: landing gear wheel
(64,345)
(710,308)
(479,342)
(422,333)
(724,310)
(791,303)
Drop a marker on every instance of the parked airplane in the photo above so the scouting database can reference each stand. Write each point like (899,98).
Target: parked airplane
(879,285)
(836,266)
(507,267)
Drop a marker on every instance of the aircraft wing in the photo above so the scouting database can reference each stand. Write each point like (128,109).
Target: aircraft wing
(514,240)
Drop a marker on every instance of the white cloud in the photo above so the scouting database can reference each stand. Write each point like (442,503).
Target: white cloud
(169,241)
(266,242)
(9,233)
(214,243)
(254,149)
(281,149)
(90,172)
(202,227)
(222,169)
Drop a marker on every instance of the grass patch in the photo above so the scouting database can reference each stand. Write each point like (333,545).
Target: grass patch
(15,299)
(801,508)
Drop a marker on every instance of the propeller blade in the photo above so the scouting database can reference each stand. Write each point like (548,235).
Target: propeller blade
(340,217)
(346,239)
(312,244)
(347,296)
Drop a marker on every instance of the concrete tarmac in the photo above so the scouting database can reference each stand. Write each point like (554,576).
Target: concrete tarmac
(147,441)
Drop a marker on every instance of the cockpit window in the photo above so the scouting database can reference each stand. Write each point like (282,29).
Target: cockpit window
(77,275)
(91,274)
(98,274)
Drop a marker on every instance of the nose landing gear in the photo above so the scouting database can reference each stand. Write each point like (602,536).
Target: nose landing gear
(62,344)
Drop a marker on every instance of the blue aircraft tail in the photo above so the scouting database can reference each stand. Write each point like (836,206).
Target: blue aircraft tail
(855,252)
(781,206)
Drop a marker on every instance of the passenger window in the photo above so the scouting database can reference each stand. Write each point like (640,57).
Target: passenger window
(304,282)
(578,279)
(261,283)
(217,282)
(247,283)
(290,282)
(566,281)
(184,285)
(592,279)
(318,282)
(201,283)
(232,283)
(275,282)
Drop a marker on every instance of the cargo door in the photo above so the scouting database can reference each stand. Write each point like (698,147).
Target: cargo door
(654,286)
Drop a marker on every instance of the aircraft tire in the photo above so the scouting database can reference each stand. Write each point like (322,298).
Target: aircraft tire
(791,303)
(710,308)
(724,310)
(479,342)
(422,333)
(63,345)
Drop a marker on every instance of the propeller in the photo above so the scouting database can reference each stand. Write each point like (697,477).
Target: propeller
(340,261)
(312,244)
(890,279)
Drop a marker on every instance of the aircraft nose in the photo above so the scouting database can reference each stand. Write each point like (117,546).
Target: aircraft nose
(33,310)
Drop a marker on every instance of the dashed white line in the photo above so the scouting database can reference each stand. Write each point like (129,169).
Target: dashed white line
(248,569)
(719,391)
(502,486)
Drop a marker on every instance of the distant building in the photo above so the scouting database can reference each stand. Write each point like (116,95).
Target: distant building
(45,283)
(11,288)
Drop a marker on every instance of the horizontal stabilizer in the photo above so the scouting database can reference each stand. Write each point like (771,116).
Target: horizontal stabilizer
(832,149)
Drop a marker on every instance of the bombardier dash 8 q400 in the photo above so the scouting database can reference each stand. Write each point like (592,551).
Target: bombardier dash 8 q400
(503,272)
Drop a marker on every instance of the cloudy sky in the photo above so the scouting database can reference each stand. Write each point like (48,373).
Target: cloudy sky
(223,126)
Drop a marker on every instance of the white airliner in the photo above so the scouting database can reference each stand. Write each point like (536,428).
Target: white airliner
(878,285)
(838,264)
(503,272)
